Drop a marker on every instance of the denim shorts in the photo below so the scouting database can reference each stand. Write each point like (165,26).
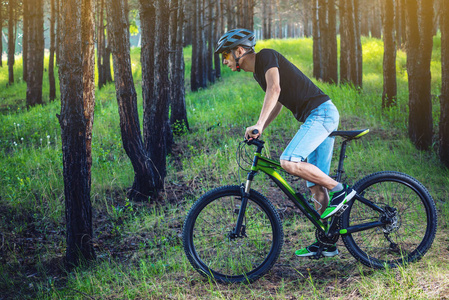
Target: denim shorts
(312,141)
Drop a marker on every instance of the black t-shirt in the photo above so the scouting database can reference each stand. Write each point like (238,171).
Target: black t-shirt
(298,93)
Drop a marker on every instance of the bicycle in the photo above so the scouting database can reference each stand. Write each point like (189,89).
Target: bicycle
(235,234)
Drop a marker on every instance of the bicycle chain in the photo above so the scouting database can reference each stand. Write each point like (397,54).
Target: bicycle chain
(323,239)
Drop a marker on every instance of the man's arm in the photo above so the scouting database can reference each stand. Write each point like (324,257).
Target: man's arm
(271,107)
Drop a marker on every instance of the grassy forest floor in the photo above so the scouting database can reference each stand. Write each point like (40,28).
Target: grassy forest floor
(138,245)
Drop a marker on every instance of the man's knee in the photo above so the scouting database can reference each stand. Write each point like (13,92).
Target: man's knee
(291,166)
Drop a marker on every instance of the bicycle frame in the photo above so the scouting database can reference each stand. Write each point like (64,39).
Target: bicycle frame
(270,167)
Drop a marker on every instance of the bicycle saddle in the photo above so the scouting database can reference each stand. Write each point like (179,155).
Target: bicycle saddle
(350,135)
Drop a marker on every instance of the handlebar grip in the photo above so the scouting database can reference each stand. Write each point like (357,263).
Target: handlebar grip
(255,131)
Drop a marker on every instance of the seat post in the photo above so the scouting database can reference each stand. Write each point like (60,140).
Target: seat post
(340,169)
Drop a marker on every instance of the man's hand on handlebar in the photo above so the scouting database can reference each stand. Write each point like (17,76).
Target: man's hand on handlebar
(253,132)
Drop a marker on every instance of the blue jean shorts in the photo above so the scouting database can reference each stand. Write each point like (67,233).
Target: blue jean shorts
(312,141)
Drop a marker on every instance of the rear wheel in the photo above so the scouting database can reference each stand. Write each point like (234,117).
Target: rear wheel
(214,251)
(411,220)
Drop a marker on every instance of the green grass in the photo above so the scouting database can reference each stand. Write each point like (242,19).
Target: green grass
(138,244)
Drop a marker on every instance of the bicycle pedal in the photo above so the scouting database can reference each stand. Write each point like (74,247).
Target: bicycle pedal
(341,210)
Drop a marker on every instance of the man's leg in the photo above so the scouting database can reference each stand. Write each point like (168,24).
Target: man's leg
(321,195)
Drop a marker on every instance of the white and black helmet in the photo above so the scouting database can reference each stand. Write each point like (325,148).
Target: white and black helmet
(234,38)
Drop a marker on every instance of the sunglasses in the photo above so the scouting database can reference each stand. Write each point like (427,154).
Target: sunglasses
(226,55)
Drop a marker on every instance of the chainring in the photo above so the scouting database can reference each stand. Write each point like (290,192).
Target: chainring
(323,239)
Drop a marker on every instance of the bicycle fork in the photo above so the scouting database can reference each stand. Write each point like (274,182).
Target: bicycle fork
(239,230)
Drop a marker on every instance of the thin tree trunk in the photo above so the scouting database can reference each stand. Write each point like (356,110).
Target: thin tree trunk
(118,34)
(73,132)
(100,45)
(157,130)
(35,54)
(87,31)
(389,62)
(178,116)
(332,42)
(344,36)
(444,98)
(317,50)
(419,49)
(11,41)
(25,37)
(51,75)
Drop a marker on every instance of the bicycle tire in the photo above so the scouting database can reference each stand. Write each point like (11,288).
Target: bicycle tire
(408,238)
(213,253)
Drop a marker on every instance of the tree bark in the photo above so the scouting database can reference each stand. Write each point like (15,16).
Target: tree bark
(157,128)
(11,41)
(35,54)
(118,34)
(444,98)
(317,50)
(389,61)
(178,116)
(51,74)
(419,50)
(26,16)
(100,44)
(73,132)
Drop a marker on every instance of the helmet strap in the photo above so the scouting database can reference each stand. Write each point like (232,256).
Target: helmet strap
(237,65)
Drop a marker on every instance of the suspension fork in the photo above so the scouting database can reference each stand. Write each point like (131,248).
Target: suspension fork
(245,190)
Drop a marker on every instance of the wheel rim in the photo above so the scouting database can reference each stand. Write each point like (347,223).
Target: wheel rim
(218,253)
(400,240)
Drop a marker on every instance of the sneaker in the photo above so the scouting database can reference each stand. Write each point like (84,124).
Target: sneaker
(338,200)
(328,251)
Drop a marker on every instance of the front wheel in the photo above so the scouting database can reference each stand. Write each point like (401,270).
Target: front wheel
(214,251)
(410,220)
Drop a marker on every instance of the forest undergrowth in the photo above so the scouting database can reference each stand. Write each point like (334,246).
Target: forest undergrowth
(138,245)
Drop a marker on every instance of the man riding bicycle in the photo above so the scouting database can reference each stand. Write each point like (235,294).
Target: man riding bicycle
(285,85)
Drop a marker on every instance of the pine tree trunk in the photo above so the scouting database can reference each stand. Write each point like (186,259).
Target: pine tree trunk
(317,51)
(51,74)
(73,132)
(178,116)
(194,72)
(344,44)
(58,30)
(389,62)
(157,131)
(332,43)
(35,54)
(100,44)
(118,34)
(419,41)
(88,30)
(444,98)
(25,28)
(11,41)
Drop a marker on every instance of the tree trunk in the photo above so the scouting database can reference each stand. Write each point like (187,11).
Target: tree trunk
(389,62)
(344,47)
(35,54)
(157,129)
(73,132)
(118,34)
(51,75)
(178,116)
(26,16)
(419,50)
(306,17)
(444,98)
(332,43)
(317,51)
(88,30)
(217,34)
(100,44)
(11,41)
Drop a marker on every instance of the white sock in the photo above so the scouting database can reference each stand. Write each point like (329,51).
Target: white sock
(337,188)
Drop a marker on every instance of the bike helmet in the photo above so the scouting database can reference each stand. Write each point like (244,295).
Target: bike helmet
(234,38)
